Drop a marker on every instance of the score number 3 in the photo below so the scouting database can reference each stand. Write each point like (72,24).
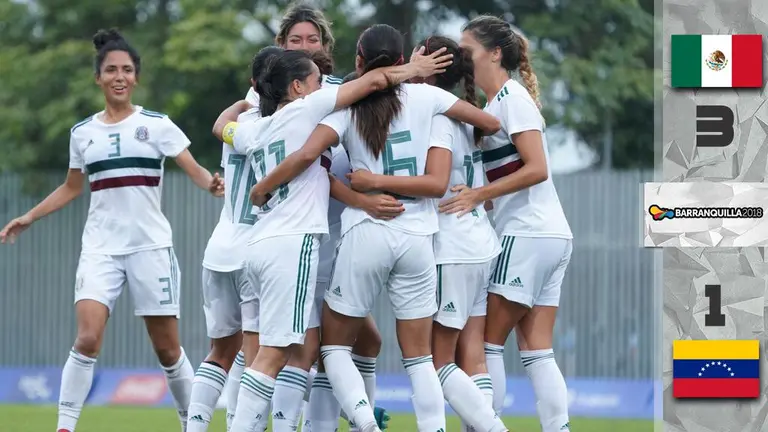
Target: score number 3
(715,316)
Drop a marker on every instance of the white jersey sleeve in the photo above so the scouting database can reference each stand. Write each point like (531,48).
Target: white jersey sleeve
(245,136)
(338,121)
(432,99)
(519,114)
(252,97)
(171,140)
(321,103)
(75,155)
(441,133)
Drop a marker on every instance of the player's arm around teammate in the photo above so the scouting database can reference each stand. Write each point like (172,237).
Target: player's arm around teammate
(524,292)
(122,150)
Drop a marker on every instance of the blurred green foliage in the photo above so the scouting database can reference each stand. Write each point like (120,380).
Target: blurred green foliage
(196,54)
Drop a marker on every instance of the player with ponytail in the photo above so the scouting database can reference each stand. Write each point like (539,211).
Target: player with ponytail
(465,249)
(536,239)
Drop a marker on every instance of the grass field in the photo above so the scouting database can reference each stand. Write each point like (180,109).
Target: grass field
(31,418)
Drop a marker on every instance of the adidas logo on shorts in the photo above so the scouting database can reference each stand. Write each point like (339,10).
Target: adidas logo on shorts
(516,282)
(337,291)
(278,416)
(449,307)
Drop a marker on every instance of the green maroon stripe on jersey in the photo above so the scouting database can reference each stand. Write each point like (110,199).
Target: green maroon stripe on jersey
(504,170)
(499,153)
(119,163)
(118,182)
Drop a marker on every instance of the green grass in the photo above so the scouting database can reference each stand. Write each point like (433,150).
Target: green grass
(33,418)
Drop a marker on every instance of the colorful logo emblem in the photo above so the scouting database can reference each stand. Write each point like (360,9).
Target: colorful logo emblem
(717,61)
(660,213)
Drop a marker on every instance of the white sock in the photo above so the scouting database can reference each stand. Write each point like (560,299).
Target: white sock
(256,391)
(233,386)
(494,360)
(290,386)
(428,404)
(76,380)
(467,400)
(549,387)
(322,412)
(348,385)
(483,382)
(206,390)
(367,368)
(180,377)
(310,380)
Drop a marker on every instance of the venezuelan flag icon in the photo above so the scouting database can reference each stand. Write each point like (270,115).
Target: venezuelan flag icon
(716,369)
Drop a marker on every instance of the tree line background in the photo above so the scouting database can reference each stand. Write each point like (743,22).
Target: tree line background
(594,59)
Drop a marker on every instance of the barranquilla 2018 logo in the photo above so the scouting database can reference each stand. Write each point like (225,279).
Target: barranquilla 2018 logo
(660,213)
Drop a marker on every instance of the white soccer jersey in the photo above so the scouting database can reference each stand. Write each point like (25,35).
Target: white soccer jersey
(229,238)
(327,81)
(405,154)
(339,168)
(124,163)
(531,212)
(470,238)
(301,206)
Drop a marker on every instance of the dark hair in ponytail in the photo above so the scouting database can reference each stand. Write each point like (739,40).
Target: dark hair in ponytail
(379,46)
(277,74)
(106,41)
(260,61)
(462,67)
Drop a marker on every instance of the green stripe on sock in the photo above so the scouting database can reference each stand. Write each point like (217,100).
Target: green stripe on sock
(211,375)
(256,387)
(293,379)
(416,361)
(445,372)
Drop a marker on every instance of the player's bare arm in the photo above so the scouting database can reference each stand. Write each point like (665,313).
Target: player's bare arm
(60,197)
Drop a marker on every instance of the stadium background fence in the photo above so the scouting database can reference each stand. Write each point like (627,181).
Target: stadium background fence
(605,328)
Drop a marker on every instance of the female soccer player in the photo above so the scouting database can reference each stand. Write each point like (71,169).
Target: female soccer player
(282,255)
(535,236)
(230,302)
(321,413)
(464,252)
(397,253)
(304,27)
(127,239)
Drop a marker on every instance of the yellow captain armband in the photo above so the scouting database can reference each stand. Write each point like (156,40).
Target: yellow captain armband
(228,133)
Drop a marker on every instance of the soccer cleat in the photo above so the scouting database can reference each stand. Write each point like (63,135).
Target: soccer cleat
(382,418)
(63,430)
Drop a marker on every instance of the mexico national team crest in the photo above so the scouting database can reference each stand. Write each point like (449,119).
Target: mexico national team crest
(142,134)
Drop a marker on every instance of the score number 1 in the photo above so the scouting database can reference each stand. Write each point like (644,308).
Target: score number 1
(715,316)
